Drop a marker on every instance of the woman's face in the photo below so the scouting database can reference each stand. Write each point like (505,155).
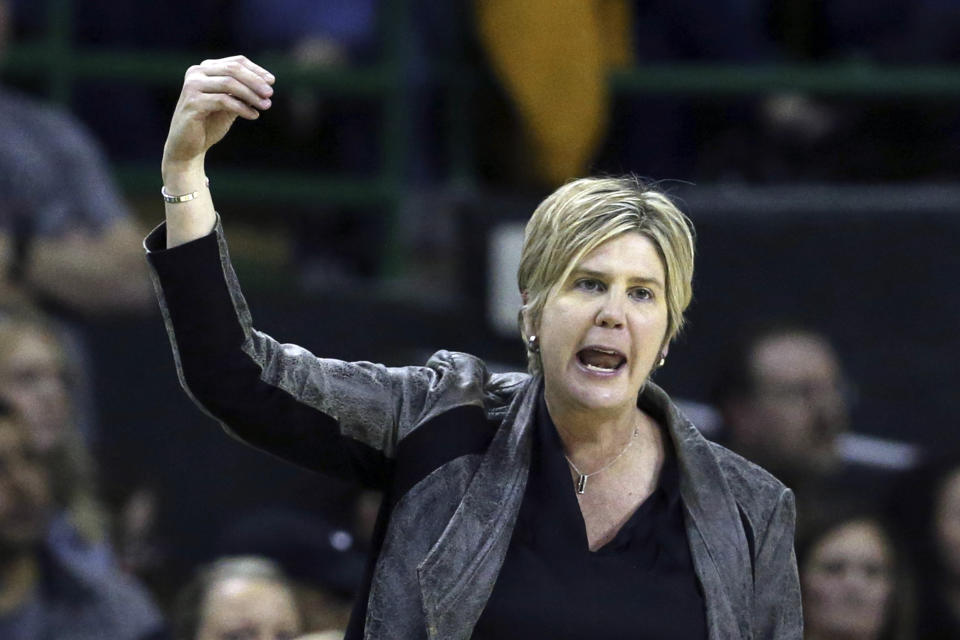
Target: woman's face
(603,329)
(947,524)
(248,609)
(33,382)
(847,583)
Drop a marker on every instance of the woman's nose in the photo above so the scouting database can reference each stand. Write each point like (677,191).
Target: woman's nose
(611,313)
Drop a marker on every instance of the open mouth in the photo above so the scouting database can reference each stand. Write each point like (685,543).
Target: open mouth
(601,360)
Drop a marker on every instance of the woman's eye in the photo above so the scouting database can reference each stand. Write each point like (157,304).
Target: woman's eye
(642,294)
(589,284)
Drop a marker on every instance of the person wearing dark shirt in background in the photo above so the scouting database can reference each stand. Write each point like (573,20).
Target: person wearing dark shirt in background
(43,594)
(785,404)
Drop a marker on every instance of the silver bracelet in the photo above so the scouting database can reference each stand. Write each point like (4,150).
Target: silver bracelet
(186,197)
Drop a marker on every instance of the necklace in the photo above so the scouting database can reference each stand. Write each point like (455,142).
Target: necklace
(583,477)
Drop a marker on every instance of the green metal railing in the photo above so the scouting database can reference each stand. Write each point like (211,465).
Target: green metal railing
(852,79)
(55,59)
(60,64)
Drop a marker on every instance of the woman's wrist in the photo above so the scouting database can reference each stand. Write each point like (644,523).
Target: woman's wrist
(183,177)
(188,218)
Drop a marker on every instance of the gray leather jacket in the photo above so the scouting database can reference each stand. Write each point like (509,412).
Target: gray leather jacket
(451,519)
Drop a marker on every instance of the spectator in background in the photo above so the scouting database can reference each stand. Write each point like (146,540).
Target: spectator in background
(324,562)
(35,379)
(35,376)
(854,580)
(785,404)
(926,507)
(67,242)
(43,594)
(66,239)
(238,597)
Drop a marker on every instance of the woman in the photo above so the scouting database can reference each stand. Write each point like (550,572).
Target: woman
(35,380)
(854,581)
(55,587)
(572,502)
(237,597)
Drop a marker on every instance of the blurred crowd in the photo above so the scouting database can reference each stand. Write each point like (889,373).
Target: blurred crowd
(551,131)
(878,538)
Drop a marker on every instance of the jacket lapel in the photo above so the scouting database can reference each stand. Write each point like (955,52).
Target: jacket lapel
(458,574)
(717,540)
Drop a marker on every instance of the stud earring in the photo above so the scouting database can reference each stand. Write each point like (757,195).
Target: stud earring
(663,361)
(533,344)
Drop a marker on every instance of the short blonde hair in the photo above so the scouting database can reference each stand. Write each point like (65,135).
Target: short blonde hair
(583,214)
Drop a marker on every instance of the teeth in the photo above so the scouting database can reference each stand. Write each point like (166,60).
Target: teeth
(596,368)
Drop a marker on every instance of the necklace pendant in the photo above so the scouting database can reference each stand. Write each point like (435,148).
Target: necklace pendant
(581,484)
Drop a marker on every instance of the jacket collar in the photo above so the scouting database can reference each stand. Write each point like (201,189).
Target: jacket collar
(458,574)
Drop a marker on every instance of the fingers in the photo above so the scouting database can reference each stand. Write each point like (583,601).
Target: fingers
(235,84)
(244,71)
(215,93)
(234,88)
(224,102)
(263,73)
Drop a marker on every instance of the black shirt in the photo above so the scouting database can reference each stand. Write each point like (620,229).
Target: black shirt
(641,584)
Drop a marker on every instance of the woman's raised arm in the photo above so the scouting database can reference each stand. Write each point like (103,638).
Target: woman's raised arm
(343,418)
(215,93)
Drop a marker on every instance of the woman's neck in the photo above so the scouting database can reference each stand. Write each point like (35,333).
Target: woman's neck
(592,438)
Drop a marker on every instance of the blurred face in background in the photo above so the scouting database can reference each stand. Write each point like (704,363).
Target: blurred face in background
(797,408)
(33,382)
(249,609)
(25,497)
(847,583)
(947,526)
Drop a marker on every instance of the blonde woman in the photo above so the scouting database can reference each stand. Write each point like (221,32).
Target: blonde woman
(35,381)
(571,501)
